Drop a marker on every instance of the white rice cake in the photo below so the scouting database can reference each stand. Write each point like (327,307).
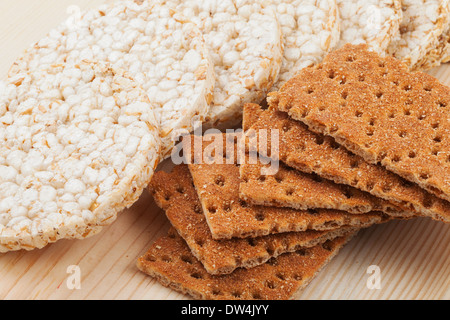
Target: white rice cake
(161,49)
(310,29)
(245,42)
(78,143)
(437,55)
(373,22)
(423,22)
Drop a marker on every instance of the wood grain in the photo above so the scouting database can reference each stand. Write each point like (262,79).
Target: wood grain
(413,256)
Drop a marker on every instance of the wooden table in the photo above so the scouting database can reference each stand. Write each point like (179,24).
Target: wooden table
(413,256)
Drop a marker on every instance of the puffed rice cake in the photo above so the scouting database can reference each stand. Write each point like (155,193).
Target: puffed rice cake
(78,143)
(310,29)
(160,48)
(373,22)
(437,55)
(423,22)
(245,42)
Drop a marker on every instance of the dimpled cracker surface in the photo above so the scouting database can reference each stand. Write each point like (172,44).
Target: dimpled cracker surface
(229,216)
(302,191)
(310,152)
(245,43)
(163,51)
(377,109)
(372,22)
(175,194)
(78,143)
(170,261)
(422,23)
(310,30)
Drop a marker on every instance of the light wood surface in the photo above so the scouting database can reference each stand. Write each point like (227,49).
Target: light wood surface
(413,256)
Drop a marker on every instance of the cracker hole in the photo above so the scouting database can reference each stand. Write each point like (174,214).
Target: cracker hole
(226,207)
(252,242)
(407,112)
(196,275)
(167,197)
(280,276)
(347,194)
(427,202)
(150,258)
(236,294)
(407,87)
(435,125)
(200,242)
(402,134)
(435,151)
(197,209)
(212,209)
(270,284)
(351,59)
(166,258)
(372,122)
(427,88)
(358,114)
(344,95)
(391,115)
(180,190)
(442,104)
(438,138)
(216,292)
(412,154)
(381,64)
(297,277)
(396,158)
(219,180)
(379,95)
(331,74)
(370,185)
(242,203)
(310,90)
(421,117)
(302,252)
(354,164)
(256,296)
(361,78)
(290,191)
(259,216)
(319,140)
(328,245)
(424,176)
(370,132)
(322,108)
(262,178)
(187,259)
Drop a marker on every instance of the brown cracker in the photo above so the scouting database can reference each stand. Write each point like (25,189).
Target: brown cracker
(379,110)
(303,191)
(229,216)
(170,261)
(174,193)
(310,152)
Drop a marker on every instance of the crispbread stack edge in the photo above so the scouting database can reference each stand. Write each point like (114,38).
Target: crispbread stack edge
(377,109)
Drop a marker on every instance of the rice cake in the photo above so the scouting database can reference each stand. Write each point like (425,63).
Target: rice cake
(310,29)
(161,49)
(245,42)
(372,22)
(170,262)
(379,110)
(422,23)
(79,144)
(175,194)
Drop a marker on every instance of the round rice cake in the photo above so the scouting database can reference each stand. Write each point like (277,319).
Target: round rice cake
(163,51)
(439,54)
(78,143)
(310,30)
(423,22)
(245,42)
(373,22)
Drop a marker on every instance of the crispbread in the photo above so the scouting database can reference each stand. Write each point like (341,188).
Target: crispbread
(422,23)
(175,194)
(160,48)
(302,191)
(377,109)
(229,216)
(310,29)
(245,42)
(372,22)
(79,144)
(170,261)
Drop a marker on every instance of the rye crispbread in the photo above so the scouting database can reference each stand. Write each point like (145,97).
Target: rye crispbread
(377,109)
(174,193)
(295,189)
(170,261)
(310,152)
(229,216)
